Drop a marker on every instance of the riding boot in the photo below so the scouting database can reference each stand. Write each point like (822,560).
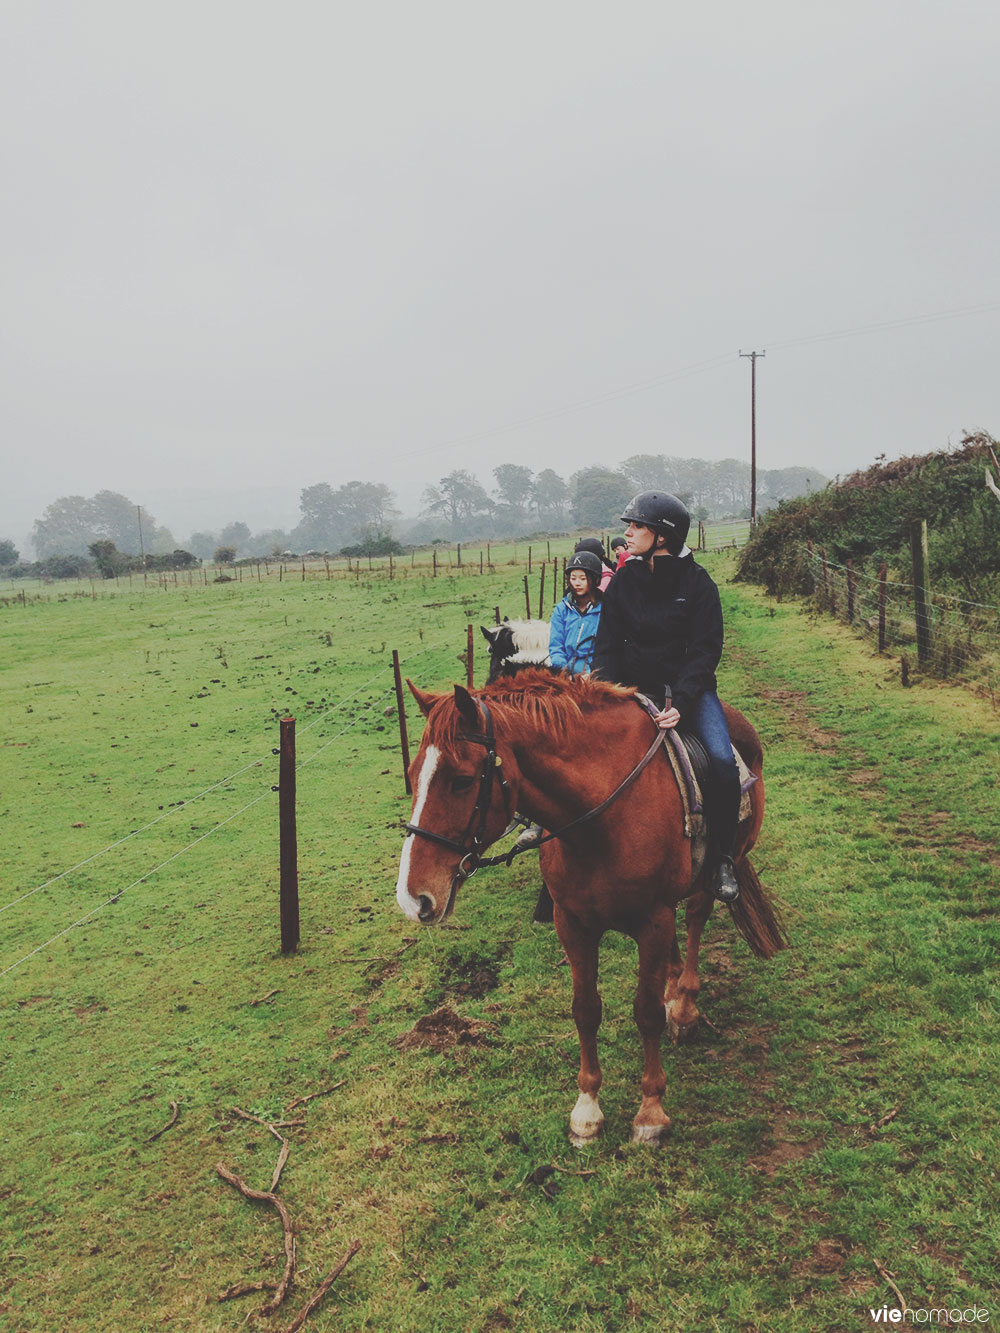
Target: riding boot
(724,816)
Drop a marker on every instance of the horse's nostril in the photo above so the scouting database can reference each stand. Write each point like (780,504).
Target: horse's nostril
(427,911)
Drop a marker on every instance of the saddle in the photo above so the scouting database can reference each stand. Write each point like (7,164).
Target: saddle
(692,768)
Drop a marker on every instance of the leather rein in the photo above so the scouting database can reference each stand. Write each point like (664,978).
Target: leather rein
(471,847)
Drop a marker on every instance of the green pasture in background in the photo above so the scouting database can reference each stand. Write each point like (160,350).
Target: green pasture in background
(833,1125)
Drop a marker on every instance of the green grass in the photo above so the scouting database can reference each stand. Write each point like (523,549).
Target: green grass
(776,1196)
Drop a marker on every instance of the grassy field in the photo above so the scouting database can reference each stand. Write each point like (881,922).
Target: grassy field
(833,1127)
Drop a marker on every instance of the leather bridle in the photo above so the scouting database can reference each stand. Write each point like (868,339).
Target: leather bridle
(473,840)
(471,848)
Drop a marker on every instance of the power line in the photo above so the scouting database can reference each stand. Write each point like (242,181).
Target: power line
(960,312)
(696,368)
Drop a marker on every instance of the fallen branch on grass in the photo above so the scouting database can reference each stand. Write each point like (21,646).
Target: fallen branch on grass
(323,1288)
(886,1118)
(261,998)
(245,1288)
(272,1125)
(301,1101)
(282,1159)
(285,1149)
(883,1274)
(172,1121)
(266,1196)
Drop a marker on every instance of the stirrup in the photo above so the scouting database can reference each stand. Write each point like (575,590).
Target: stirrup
(531,837)
(725,887)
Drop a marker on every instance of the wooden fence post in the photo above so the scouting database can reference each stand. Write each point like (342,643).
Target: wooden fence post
(541,593)
(404,744)
(434,557)
(881,608)
(468,657)
(496,613)
(921,593)
(527,600)
(289,890)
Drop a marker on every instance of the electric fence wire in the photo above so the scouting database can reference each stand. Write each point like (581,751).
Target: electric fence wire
(221,824)
(141,880)
(181,805)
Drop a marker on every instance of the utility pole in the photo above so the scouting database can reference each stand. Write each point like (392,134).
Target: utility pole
(752,358)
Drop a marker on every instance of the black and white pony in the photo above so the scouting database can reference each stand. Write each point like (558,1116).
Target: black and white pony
(514,642)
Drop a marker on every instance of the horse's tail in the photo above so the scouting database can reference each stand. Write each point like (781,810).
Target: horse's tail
(754,915)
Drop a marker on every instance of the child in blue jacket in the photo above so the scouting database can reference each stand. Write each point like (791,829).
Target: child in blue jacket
(572,636)
(573,632)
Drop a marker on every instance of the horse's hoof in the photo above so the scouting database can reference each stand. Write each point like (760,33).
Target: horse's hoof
(651,1135)
(681,1032)
(586,1122)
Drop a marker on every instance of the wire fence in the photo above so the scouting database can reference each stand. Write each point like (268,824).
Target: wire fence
(724,534)
(461,560)
(366,711)
(949,635)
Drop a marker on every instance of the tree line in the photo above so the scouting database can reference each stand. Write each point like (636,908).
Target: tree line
(363,517)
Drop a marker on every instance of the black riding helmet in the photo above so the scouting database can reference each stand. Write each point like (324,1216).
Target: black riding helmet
(594,545)
(591,566)
(662,512)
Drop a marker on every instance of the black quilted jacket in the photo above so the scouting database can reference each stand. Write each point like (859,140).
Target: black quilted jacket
(661,627)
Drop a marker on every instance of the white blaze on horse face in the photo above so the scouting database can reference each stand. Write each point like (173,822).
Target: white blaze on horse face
(409,904)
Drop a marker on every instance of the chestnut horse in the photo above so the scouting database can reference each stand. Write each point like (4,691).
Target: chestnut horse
(555,747)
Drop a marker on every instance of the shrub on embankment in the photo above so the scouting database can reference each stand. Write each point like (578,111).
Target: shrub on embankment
(854,551)
(868,517)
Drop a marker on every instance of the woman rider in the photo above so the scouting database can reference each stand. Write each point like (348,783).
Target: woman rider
(661,630)
(575,619)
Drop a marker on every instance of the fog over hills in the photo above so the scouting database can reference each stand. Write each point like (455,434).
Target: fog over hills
(248,249)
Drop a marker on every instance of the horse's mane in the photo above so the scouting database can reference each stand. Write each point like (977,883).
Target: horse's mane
(551,700)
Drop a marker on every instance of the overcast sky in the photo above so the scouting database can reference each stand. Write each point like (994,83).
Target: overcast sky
(248,247)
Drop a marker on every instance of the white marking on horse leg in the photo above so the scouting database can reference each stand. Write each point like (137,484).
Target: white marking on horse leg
(410,905)
(586,1119)
(652,1134)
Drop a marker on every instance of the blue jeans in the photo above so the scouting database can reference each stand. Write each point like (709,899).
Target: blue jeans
(708,722)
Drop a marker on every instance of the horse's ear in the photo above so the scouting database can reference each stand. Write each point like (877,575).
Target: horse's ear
(466,705)
(424,701)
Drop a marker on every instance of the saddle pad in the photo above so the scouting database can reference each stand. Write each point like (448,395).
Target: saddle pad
(687,779)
